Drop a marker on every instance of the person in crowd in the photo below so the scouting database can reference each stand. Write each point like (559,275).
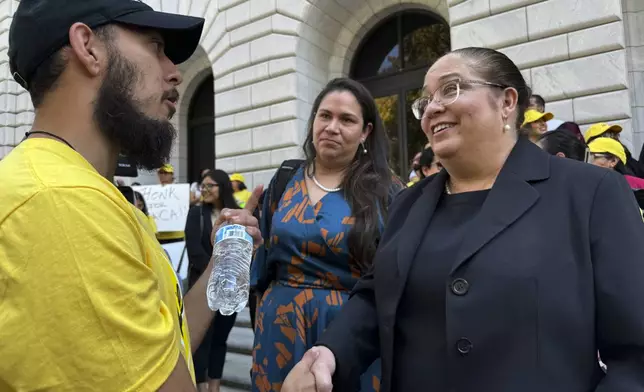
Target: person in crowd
(322,232)
(563,143)
(195,189)
(239,186)
(417,175)
(166,174)
(428,165)
(139,202)
(413,176)
(495,309)
(217,194)
(609,153)
(534,124)
(89,299)
(166,177)
(539,104)
(573,129)
(613,131)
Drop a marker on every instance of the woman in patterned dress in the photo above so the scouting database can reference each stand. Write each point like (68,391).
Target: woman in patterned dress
(323,232)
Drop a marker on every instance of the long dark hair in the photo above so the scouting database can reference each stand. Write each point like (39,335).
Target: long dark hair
(368,179)
(495,67)
(225,188)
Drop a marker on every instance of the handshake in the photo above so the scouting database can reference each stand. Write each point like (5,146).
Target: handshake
(313,373)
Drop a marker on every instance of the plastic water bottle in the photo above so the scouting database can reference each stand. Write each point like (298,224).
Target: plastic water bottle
(228,283)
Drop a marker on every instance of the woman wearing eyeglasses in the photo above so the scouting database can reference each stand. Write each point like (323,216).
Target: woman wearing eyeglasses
(610,154)
(507,271)
(217,194)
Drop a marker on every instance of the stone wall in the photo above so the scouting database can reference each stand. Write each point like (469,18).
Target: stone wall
(16,112)
(573,53)
(634,38)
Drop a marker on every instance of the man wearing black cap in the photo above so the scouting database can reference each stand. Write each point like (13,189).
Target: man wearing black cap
(87,297)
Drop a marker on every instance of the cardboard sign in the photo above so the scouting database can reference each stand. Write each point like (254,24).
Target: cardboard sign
(168,204)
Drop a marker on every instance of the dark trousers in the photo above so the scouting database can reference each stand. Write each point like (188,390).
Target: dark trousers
(210,356)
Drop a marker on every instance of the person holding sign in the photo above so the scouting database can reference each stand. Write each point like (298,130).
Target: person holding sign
(90,301)
(166,177)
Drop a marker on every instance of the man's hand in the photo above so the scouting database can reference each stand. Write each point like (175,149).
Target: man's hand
(242,217)
(313,373)
(198,314)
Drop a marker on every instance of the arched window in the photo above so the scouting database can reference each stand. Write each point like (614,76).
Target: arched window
(201,130)
(391,62)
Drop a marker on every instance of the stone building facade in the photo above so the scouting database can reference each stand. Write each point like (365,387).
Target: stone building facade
(248,90)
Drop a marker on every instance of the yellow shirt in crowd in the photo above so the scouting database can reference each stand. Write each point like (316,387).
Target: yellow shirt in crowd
(88,298)
(241,197)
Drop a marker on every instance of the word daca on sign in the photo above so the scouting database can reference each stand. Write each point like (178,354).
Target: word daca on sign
(168,204)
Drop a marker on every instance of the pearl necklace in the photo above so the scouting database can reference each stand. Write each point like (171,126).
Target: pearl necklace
(447,188)
(328,190)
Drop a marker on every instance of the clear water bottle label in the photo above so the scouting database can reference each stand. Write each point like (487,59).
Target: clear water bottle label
(233,231)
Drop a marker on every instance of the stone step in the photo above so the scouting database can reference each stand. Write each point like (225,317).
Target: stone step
(237,371)
(243,318)
(240,340)
(224,388)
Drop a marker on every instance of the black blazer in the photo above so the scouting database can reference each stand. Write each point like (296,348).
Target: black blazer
(198,243)
(551,271)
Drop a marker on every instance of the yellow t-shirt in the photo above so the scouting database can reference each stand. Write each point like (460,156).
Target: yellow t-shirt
(153,224)
(242,197)
(88,298)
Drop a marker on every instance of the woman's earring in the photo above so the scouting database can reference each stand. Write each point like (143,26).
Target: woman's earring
(364,149)
(506,127)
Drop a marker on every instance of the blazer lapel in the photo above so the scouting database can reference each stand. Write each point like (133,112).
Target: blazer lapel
(510,197)
(416,223)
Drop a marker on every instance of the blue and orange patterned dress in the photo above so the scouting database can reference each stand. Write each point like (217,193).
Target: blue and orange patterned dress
(314,275)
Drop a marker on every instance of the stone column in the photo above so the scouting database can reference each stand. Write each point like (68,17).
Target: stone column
(634,30)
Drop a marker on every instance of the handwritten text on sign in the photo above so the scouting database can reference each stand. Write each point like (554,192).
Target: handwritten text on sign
(168,204)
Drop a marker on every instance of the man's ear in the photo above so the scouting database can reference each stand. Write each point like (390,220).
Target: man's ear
(87,48)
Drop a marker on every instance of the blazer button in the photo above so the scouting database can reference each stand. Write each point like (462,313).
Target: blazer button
(464,346)
(460,286)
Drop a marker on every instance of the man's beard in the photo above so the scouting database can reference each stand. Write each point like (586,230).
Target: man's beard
(146,141)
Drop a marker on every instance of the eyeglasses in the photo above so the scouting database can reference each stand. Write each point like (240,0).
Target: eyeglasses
(591,157)
(446,94)
(208,186)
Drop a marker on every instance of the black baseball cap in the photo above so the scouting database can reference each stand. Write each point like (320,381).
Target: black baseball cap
(41,27)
